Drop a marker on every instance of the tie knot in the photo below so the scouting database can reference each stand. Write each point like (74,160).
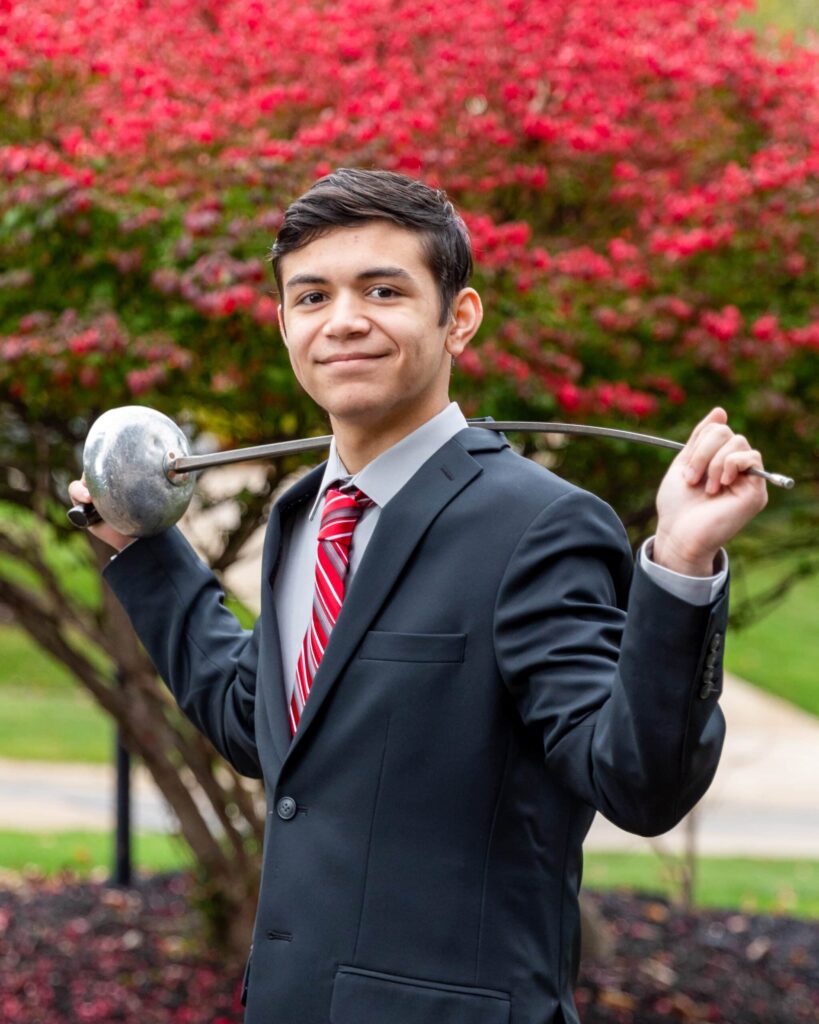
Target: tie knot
(341,512)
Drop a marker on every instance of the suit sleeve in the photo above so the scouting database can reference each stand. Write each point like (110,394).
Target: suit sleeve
(208,661)
(621,682)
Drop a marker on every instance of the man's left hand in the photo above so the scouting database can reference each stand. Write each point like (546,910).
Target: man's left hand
(706,497)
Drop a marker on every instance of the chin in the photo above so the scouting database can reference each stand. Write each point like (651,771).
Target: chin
(376,416)
(360,402)
(359,413)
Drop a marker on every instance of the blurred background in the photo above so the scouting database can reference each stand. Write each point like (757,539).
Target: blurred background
(641,181)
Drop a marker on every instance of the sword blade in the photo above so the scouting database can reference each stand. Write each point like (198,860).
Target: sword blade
(193,463)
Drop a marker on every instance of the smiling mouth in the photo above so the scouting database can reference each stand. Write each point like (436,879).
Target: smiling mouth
(352,357)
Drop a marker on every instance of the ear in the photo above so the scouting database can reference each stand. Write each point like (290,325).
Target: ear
(280,314)
(465,319)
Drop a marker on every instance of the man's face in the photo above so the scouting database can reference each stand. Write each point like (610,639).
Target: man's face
(360,317)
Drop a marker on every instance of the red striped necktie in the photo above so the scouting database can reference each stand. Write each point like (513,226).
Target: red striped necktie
(341,513)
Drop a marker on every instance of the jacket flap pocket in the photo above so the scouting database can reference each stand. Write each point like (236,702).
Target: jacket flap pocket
(376,998)
(382,646)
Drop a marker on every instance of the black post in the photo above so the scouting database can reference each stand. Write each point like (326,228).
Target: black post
(122,850)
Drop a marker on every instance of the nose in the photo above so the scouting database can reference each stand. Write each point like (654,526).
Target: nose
(345,317)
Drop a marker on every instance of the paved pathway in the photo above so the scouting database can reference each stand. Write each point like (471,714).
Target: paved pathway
(763,802)
(43,797)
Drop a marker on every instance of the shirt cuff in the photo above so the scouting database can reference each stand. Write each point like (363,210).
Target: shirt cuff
(130,542)
(697,590)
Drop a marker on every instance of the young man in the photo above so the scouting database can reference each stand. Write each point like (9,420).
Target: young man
(453,667)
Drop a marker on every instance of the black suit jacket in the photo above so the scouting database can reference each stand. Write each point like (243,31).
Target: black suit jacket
(495,676)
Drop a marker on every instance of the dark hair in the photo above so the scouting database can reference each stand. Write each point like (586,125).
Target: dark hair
(351,196)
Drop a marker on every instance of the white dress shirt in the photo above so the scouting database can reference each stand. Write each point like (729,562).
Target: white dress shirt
(381,480)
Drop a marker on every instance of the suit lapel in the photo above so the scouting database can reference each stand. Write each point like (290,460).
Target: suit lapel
(300,494)
(403,522)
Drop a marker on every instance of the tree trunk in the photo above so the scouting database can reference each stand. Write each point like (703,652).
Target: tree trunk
(220,815)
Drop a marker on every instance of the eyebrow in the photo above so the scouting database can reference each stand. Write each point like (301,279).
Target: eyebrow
(365,275)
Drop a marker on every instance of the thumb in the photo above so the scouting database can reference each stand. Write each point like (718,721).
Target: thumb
(716,415)
(79,493)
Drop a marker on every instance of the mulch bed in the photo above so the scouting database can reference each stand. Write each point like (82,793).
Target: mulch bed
(83,953)
(717,966)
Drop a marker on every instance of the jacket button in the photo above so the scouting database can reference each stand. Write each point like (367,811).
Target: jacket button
(286,808)
(716,642)
(706,691)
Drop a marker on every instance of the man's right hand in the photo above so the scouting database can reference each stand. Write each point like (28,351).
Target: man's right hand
(79,495)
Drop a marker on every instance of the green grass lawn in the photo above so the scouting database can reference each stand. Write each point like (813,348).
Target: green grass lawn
(44,725)
(778,886)
(44,714)
(25,666)
(86,853)
(788,15)
(780,652)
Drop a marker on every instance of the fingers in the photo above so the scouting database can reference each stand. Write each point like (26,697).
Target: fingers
(79,493)
(737,462)
(713,472)
(708,438)
(715,456)
(716,415)
(735,467)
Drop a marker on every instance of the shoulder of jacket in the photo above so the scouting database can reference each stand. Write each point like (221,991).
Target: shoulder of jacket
(527,487)
(493,452)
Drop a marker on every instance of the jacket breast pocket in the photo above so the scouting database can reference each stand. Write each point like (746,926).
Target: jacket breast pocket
(376,998)
(432,647)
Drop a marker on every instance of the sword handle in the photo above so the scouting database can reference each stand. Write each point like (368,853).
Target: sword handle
(83,516)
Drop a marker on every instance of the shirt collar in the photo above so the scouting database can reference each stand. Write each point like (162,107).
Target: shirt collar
(384,477)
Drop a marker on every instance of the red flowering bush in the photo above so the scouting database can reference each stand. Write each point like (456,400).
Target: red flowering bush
(641,181)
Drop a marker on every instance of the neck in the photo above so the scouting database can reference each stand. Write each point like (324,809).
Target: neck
(359,443)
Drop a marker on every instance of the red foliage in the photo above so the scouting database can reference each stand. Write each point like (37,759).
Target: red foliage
(641,179)
(72,951)
(76,358)
(83,952)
